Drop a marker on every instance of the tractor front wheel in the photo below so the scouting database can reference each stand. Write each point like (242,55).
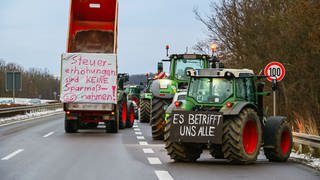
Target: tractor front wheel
(123,114)
(242,137)
(145,110)
(185,152)
(157,118)
(130,115)
(279,140)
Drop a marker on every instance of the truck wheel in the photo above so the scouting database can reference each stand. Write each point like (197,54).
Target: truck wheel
(130,115)
(145,110)
(279,147)
(112,126)
(123,114)
(186,152)
(242,137)
(157,118)
(71,126)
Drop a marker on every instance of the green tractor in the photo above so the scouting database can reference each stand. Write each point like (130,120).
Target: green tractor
(133,94)
(145,102)
(164,89)
(223,111)
(125,105)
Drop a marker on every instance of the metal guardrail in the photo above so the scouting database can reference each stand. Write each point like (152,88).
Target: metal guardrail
(7,112)
(306,139)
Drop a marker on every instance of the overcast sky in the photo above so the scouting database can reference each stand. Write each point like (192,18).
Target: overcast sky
(33,33)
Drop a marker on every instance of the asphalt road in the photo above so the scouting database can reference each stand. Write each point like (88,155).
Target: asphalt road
(40,150)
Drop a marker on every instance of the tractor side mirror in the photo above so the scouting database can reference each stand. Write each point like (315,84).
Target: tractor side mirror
(160,67)
(121,84)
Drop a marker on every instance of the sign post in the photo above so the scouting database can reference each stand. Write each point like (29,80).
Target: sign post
(275,72)
(13,83)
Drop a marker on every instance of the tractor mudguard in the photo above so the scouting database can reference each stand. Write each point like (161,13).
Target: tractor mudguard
(235,110)
(272,124)
(163,88)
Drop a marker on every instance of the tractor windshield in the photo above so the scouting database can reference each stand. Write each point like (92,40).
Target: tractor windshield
(182,65)
(210,90)
(134,90)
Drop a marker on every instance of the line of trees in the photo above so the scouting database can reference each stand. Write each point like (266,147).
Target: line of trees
(36,83)
(252,33)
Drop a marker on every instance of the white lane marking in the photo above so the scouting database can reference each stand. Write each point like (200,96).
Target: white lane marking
(12,154)
(137,129)
(49,134)
(163,175)
(135,126)
(138,133)
(26,120)
(148,151)
(154,160)
(140,137)
(143,143)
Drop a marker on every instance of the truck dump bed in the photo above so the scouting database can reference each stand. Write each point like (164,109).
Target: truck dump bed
(93,26)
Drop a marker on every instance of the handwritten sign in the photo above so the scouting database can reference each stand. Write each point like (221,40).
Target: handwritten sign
(88,78)
(196,126)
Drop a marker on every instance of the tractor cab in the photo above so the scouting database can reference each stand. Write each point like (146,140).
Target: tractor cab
(181,63)
(219,89)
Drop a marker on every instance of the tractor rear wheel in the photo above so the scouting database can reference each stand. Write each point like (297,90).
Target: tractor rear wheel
(145,110)
(186,152)
(123,113)
(157,118)
(242,137)
(282,143)
(130,116)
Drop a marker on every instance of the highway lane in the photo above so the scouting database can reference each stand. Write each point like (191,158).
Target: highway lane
(41,150)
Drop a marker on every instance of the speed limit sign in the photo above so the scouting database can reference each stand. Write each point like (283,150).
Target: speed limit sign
(274,70)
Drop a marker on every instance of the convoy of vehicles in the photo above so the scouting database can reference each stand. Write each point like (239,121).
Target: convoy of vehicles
(194,108)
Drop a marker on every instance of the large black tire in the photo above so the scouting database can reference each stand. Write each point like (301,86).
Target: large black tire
(185,152)
(157,117)
(71,126)
(112,126)
(130,115)
(145,110)
(280,138)
(242,137)
(122,106)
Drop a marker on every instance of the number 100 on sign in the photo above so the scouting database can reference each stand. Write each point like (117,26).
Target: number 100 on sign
(274,70)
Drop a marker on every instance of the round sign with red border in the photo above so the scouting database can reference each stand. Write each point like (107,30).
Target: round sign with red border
(274,70)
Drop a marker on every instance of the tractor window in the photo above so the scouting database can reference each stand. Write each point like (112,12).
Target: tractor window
(181,97)
(210,90)
(245,89)
(182,65)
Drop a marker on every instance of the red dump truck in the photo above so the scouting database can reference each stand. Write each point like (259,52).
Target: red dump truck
(89,68)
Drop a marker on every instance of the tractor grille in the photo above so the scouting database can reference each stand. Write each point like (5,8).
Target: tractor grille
(207,108)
